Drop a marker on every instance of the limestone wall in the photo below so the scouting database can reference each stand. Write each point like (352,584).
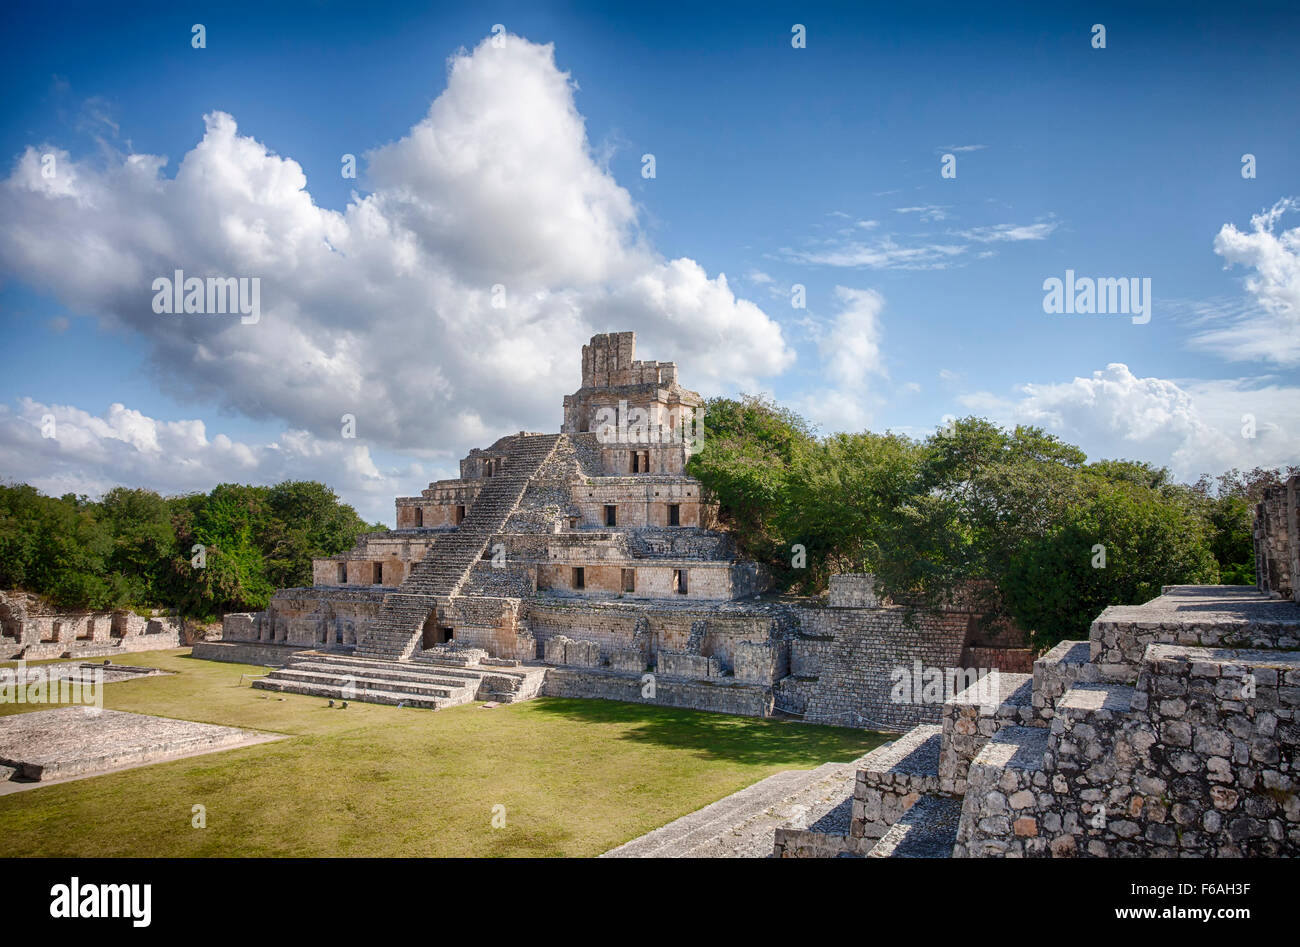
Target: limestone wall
(639,501)
(855,666)
(1197,759)
(742,699)
(653,578)
(726,637)
(853,590)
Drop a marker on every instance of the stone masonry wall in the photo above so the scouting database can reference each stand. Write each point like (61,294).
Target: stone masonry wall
(855,679)
(1196,760)
(741,699)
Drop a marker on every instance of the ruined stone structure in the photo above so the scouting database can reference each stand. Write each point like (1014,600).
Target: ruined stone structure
(592,555)
(1172,731)
(1277,541)
(31,630)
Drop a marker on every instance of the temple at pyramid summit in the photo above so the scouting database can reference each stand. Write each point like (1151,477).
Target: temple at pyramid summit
(575,564)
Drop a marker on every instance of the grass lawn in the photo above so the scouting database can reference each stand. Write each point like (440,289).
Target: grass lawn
(576,777)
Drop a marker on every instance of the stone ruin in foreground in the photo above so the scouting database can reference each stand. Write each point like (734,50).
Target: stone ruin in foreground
(1171,731)
(577,564)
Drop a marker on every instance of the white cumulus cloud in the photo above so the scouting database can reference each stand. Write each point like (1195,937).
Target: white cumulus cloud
(63,449)
(1269,331)
(1192,427)
(442,307)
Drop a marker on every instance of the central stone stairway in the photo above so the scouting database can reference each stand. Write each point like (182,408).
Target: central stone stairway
(395,632)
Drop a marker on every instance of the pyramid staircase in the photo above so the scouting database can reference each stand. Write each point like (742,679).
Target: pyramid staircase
(1137,742)
(395,632)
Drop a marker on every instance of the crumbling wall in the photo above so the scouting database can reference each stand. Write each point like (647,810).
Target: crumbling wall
(1277,541)
(33,630)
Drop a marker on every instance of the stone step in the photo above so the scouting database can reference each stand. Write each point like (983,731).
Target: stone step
(972,716)
(1068,663)
(1203,616)
(1096,701)
(821,803)
(372,667)
(823,831)
(447,564)
(415,688)
(742,825)
(998,810)
(1086,728)
(414,677)
(678,837)
(927,830)
(892,777)
(392,698)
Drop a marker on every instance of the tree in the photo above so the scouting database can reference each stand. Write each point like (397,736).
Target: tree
(750,447)
(1119,545)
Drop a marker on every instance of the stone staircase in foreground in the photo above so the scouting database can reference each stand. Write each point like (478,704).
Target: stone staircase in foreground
(427,684)
(1171,732)
(395,632)
(741,825)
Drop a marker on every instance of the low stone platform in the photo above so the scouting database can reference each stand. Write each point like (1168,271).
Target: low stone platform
(264,653)
(66,742)
(83,671)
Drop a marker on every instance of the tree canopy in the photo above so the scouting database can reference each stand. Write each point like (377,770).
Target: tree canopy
(1016,515)
(135,549)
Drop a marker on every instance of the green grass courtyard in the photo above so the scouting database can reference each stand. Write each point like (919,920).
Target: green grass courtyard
(576,777)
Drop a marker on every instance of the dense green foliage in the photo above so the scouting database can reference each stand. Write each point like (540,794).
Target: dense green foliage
(135,548)
(1016,516)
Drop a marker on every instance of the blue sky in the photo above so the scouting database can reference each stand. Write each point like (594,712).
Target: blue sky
(774,165)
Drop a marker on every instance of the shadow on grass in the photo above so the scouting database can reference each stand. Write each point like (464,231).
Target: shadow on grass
(752,741)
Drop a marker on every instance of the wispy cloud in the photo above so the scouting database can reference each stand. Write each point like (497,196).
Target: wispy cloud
(928,213)
(1007,233)
(917,252)
(884,254)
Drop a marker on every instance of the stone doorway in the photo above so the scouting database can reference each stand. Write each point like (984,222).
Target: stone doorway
(435,634)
